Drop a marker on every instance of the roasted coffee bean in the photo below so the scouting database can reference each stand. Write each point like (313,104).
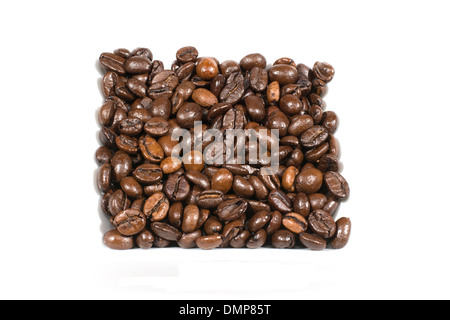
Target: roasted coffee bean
(156,207)
(314,136)
(255,108)
(177,187)
(317,201)
(148,173)
(279,201)
(243,188)
(187,54)
(275,222)
(127,144)
(204,98)
(290,104)
(138,64)
(283,239)
(257,240)
(130,222)
(283,74)
(252,61)
(337,185)
(188,114)
(323,71)
(231,209)
(210,199)
(343,230)
(170,165)
(209,242)
(131,187)
(240,240)
(115,240)
(301,204)
(189,240)
(328,162)
(315,154)
(259,79)
(259,220)
(233,91)
(112,62)
(104,177)
(157,127)
(322,223)
(261,191)
(330,121)
(145,239)
(131,126)
(190,220)
(273,93)
(207,68)
(213,226)
(222,181)
(309,181)
(295,222)
(313,241)
(165,231)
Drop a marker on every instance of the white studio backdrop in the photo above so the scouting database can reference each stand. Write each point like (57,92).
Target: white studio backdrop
(390,93)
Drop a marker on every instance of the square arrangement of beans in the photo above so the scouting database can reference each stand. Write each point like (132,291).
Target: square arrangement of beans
(177,164)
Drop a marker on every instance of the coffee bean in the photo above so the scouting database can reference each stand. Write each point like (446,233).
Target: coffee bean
(252,61)
(242,187)
(210,199)
(209,242)
(343,230)
(177,187)
(156,207)
(283,239)
(130,222)
(314,136)
(337,185)
(198,178)
(165,231)
(187,54)
(309,181)
(322,223)
(257,240)
(323,71)
(313,241)
(115,240)
(231,209)
(295,222)
(189,240)
(279,201)
(104,177)
(145,239)
(148,174)
(131,187)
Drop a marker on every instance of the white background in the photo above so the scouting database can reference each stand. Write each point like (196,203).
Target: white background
(390,93)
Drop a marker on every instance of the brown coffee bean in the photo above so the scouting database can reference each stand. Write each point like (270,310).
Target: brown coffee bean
(115,240)
(313,241)
(204,98)
(156,207)
(209,242)
(145,239)
(337,185)
(343,230)
(295,222)
(130,222)
(322,223)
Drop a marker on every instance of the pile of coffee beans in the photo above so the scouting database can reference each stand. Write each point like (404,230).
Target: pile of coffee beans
(156,199)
